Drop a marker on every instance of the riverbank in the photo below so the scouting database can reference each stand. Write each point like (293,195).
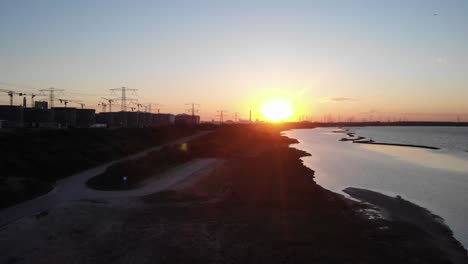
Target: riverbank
(261,205)
(433,179)
(397,209)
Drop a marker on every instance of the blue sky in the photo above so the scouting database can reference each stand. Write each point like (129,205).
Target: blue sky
(391,57)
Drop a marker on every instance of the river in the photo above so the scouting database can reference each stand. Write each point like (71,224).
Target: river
(434,179)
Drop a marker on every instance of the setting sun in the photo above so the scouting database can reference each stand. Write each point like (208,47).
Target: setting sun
(277,110)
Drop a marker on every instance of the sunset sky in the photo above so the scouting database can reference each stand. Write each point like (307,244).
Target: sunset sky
(363,59)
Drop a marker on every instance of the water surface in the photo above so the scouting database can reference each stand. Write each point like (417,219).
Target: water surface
(447,138)
(434,179)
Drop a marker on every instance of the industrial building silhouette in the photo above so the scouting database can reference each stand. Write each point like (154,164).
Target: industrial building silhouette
(41,116)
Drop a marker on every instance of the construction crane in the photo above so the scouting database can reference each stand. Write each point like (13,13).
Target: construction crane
(66,101)
(110,101)
(104,105)
(11,93)
(26,94)
(138,106)
(32,99)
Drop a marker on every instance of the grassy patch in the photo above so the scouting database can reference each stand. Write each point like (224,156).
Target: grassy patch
(40,157)
(225,142)
(130,173)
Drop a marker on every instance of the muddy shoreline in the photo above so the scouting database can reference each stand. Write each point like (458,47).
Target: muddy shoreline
(397,209)
(396,144)
(351,136)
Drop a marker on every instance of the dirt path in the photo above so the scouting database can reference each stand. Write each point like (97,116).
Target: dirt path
(74,187)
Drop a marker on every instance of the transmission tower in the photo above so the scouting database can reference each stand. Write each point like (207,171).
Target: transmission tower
(51,92)
(221,115)
(123,98)
(193,110)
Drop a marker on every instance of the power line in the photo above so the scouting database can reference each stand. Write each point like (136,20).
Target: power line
(86,94)
(17,85)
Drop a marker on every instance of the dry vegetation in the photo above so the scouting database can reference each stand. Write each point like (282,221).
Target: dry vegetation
(32,160)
